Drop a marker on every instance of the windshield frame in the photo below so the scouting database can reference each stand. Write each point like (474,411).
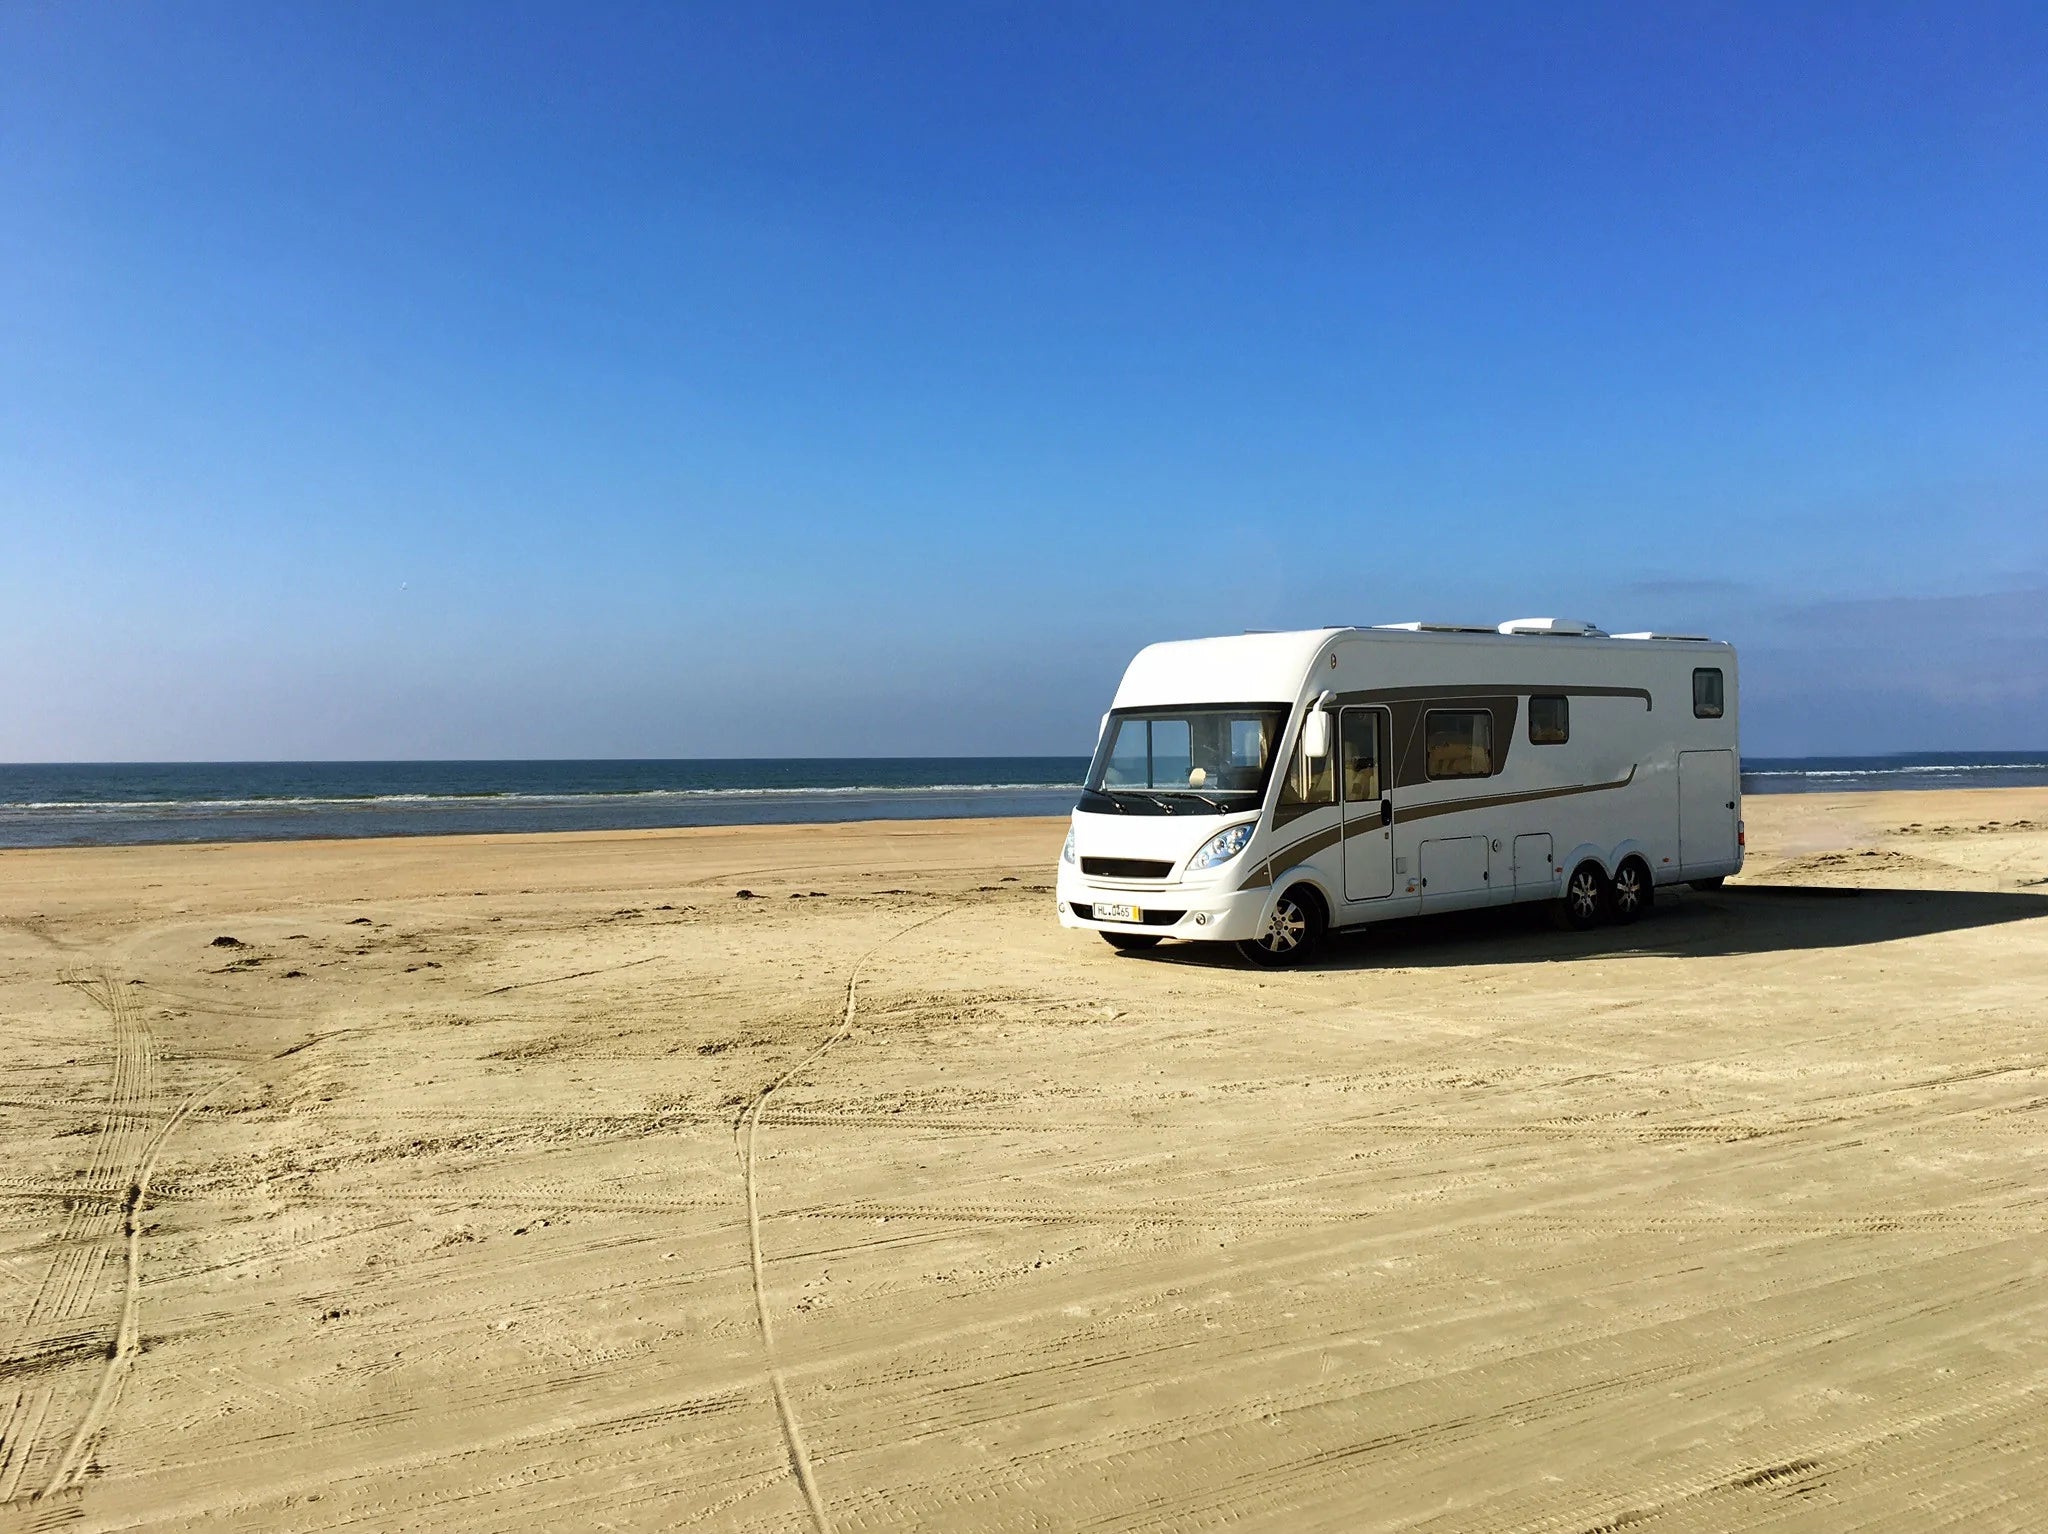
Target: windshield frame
(1098,797)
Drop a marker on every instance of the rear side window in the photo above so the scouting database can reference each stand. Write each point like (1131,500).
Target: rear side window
(1550,721)
(1460,743)
(1706,693)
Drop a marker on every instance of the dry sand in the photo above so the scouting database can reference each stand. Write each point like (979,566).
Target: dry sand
(449,1198)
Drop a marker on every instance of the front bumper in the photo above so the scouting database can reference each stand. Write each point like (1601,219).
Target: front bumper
(1207,912)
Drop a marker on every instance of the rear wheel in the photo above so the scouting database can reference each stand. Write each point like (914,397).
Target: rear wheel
(1632,892)
(1294,934)
(1706,886)
(1585,897)
(1130,942)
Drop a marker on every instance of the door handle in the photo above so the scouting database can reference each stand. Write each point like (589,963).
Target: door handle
(1729,805)
(1387,811)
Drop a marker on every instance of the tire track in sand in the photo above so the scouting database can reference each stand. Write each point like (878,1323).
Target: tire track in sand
(130,1101)
(128,1336)
(749,1134)
(52,1325)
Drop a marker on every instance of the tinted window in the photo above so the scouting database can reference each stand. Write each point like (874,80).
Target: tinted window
(1310,782)
(1360,743)
(1706,693)
(1460,743)
(1550,722)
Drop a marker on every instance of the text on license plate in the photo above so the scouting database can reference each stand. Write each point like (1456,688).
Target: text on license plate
(1108,911)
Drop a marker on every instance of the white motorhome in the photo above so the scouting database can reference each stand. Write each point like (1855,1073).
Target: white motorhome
(1265,789)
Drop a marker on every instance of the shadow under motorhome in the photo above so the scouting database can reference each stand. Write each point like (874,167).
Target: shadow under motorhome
(1266,788)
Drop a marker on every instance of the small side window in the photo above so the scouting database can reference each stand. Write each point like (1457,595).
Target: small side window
(1310,782)
(1550,721)
(1459,743)
(1706,693)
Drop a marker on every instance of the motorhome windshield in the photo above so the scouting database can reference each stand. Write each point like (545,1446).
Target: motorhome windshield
(1204,759)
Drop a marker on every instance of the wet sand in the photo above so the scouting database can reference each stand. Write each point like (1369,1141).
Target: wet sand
(446,1194)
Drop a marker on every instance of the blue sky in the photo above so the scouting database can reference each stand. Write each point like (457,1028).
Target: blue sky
(452,381)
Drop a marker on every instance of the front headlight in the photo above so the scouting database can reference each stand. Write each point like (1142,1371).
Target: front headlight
(1221,847)
(1067,852)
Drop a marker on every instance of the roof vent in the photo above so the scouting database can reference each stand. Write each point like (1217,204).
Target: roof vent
(1434,628)
(1571,628)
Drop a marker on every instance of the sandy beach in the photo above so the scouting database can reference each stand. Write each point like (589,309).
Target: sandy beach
(438,1183)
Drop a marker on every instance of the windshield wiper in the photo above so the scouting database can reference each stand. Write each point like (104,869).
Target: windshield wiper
(1167,801)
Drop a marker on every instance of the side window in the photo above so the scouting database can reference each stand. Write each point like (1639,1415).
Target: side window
(1309,784)
(1706,693)
(1550,721)
(1459,743)
(1359,740)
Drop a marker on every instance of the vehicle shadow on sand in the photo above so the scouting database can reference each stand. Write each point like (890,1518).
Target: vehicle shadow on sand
(1749,918)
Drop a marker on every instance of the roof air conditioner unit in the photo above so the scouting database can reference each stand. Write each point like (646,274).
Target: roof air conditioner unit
(1574,628)
(1434,628)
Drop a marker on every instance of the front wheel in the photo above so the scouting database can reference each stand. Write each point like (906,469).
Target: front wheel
(1130,942)
(1632,891)
(1585,897)
(1294,934)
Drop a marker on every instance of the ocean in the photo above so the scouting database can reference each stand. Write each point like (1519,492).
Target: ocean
(106,804)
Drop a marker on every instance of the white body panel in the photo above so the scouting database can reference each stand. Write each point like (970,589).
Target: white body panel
(1639,774)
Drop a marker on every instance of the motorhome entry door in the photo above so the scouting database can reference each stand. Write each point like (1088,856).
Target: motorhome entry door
(1707,787)
(1368,803)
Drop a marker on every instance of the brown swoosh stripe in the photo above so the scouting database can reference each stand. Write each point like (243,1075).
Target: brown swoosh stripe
(1291,854)
(1492,801)
(1309,846)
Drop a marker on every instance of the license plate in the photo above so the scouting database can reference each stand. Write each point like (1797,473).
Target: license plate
(1107,911)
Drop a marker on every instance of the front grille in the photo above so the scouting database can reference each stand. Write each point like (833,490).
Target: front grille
(1125,868)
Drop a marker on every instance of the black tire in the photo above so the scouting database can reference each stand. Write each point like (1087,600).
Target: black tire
(1632,893)
(1130,942)
(1708,886)
(1584,904)
(1296,934)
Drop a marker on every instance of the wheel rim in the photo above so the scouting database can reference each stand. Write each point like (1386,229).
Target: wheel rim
(1285,933)
(1628,890)
(1585,894)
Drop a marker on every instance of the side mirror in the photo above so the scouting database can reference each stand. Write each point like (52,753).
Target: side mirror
(1315,735)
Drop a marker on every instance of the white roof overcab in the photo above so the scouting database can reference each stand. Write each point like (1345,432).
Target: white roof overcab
(1242,668)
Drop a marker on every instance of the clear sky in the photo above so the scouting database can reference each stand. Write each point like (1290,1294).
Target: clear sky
(420,380)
